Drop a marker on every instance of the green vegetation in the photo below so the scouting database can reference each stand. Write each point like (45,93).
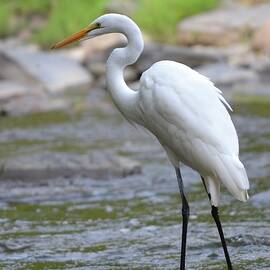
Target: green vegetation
(55,213)
(62,17)
(160,18)
(37,120)
(256,106)
(67,17)
(19,147)
(16,14)
(91,249)
(4,20)
(259,148)
(51,265)
(66,146)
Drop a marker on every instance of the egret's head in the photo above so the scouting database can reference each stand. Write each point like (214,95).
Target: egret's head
(105,24)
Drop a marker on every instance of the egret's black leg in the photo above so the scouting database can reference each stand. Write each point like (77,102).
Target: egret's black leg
(222,238)
(185,215)
(215,215)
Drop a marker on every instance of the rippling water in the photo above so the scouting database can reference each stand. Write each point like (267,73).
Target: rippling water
(129,223)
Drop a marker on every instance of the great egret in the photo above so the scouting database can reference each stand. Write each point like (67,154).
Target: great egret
(183,109)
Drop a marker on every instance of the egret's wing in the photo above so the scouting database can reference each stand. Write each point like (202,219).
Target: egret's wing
(192,103)
(188,111)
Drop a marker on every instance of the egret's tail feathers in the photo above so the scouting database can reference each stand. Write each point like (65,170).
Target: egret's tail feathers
(242,195)
(233,175)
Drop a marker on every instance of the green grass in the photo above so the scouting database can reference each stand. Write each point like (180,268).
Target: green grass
(157,17)
(16,14)
(160,18)
(30,7)
(67,17)
(4,20)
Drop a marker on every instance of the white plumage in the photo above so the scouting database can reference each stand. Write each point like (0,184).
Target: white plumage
(187,114)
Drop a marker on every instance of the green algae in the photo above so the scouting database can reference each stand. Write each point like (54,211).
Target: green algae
(19,147)
(54,213)
(51,265)
(259,148)
(67,146)
(37,120)
(33,233)
(239,265)
(90,249)
(252,105)
(73,212)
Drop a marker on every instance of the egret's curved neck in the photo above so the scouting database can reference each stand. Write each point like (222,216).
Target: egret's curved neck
(124,98)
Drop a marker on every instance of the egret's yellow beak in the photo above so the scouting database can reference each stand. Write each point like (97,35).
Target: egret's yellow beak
(76,36)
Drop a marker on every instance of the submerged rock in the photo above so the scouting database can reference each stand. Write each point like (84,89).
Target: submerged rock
(13,246)
(51,165)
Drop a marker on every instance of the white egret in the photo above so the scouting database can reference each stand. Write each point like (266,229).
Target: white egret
(183,109)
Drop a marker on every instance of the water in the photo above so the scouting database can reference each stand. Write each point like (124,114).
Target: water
(133,222)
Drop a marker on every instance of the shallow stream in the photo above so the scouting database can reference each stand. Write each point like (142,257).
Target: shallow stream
(132,222)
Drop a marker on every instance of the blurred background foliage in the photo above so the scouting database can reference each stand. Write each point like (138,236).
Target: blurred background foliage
(59,18)
(160,18)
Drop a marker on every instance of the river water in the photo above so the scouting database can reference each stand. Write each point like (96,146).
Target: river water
(132,222)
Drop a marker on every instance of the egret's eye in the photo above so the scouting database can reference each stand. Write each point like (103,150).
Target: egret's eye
(98,25)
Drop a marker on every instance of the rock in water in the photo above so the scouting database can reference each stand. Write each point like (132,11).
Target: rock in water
(47,165)
(192,57)
(53,71)
(261,39)
(19,98)
(223,27)
(11,89)
(225,75)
